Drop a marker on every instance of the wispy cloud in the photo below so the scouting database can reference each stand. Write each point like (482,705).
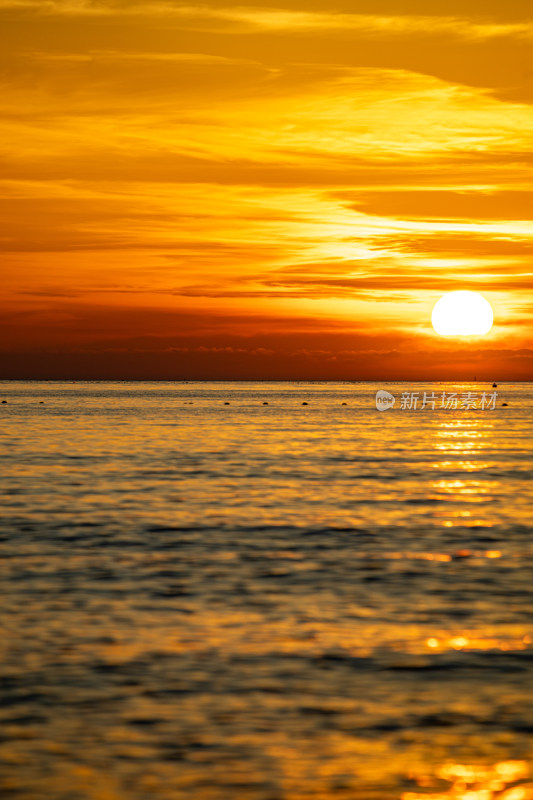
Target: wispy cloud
(245,19)
(198,175)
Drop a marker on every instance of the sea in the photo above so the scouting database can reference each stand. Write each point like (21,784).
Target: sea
(266,591)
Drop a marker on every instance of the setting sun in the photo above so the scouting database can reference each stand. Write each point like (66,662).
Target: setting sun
(462,313)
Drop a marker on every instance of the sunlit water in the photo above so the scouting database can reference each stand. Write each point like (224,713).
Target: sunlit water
(209,598)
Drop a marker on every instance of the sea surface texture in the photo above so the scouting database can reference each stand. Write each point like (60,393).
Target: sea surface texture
(211,591)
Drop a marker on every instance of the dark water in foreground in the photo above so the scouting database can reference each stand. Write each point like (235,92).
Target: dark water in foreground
(264,602)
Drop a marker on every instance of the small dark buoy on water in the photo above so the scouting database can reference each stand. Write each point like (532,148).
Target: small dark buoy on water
(265,403)
(461,554)
(494,385)
(344,404)
(305,404)
(226,403)
(505,404)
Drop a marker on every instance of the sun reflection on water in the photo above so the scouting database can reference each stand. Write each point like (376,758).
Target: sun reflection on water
(267,606)
(463,438)
(506,780)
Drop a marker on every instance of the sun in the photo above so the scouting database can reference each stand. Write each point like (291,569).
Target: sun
(462,314)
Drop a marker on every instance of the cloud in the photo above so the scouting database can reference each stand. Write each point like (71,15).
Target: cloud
(447,204)
(117,56)
(247,18)
(378,288)
(203,179)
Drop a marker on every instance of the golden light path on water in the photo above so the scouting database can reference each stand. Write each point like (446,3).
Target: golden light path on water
(272,602)
(507,780)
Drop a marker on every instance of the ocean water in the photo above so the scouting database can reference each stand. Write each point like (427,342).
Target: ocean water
(211,591)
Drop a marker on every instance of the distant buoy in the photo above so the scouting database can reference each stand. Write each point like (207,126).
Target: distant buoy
(505,404)
(494,385)
(226,404)
(305,404)
(462,554)
(344,404)
(265,403)
(4,401)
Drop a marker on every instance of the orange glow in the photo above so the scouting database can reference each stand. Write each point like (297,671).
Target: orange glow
(217,191)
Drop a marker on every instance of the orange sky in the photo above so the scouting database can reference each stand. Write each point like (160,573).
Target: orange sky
(264,191)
